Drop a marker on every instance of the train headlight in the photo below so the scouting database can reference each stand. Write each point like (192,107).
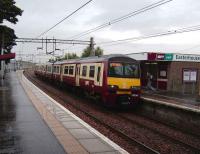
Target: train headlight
(112,88)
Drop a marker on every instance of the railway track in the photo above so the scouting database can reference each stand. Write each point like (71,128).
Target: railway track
(141,146)
(173,139)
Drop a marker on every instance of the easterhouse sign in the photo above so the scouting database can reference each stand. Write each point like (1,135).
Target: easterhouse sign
(182,57)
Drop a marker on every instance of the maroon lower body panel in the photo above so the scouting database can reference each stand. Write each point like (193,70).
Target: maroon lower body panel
(69,80)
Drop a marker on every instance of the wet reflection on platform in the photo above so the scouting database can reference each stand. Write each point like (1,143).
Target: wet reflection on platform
(21,128)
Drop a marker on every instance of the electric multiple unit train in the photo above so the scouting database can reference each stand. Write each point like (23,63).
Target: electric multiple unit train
(115,79)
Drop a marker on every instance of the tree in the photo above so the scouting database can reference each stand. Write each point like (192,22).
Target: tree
(51,60)
(70,56)
(9,38)
(86,52)
(9,12)
(98,51)
(67,56)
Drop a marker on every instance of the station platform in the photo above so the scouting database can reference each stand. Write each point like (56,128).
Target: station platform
(32,122)
(185,101)
(22,129)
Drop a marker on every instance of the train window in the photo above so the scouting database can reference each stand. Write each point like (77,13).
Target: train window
(126,70)
(131,70)
(116,69)
(84,71)
(71,70)
(92,69)
(98,74)
(66,71)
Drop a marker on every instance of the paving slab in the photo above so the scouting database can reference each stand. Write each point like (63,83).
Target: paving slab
(95,145)
(82,133)
(72,124)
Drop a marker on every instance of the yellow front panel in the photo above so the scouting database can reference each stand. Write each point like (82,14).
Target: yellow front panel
(123,83)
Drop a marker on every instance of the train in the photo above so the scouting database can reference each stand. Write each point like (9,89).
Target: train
(114,79)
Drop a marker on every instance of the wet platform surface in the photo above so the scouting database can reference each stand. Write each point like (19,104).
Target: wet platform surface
(22,130)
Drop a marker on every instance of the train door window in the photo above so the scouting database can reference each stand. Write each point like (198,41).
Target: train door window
(49,68)
(84,71)
(71,70)
(79,71)
(98,73)
(66,71)
(54,69)
(62,70)
(92,70)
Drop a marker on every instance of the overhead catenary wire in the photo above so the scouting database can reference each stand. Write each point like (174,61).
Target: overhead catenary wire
(64,19)
(134,13)
(170,32)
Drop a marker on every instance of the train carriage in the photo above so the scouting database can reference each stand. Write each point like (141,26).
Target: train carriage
(40,70)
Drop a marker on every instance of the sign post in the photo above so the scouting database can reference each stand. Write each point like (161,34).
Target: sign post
(2,52)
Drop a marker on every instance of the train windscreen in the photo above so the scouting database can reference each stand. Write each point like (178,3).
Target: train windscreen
(123,70)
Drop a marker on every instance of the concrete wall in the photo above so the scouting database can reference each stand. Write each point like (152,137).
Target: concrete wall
(186,120)
(175,73)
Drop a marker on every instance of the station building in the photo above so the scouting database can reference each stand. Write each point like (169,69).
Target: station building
(170,71)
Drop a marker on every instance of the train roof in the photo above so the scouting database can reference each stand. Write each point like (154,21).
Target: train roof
(93,59)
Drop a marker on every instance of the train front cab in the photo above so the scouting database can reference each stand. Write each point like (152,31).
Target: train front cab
(123,82)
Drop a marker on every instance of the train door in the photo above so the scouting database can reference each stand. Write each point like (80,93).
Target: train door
(77,74)
(98,74)
(61,72)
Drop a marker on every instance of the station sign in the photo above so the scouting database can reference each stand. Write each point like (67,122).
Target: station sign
(7,56)
(168,56)
(153,56)
(160,56)
(186,57)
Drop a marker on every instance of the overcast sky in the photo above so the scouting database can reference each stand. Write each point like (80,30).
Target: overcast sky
(39,15)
